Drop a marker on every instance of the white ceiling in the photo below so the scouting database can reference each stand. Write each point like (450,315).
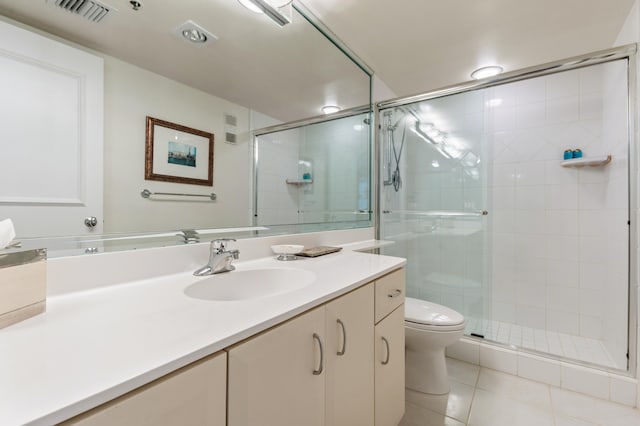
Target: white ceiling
(418,45)
(289,73)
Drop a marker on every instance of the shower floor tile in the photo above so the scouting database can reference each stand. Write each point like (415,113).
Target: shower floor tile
(561,344)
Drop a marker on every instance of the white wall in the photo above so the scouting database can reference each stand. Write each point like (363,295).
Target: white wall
(131,94)
(381,92)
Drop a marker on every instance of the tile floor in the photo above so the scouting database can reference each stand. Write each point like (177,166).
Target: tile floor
(565,345)
(483,397)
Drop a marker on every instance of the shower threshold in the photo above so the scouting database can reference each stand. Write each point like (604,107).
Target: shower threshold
(565,345)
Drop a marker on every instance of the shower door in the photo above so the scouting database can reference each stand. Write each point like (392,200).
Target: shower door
(434,200)
(531,248)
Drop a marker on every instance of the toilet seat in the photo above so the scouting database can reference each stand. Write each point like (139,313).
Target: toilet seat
(423,315)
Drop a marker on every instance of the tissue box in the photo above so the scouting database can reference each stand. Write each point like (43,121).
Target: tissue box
(23,285)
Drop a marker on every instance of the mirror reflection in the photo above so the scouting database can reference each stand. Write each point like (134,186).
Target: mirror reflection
(81,110)
(317,173)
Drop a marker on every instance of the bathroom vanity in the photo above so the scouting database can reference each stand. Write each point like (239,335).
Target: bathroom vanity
(144,352)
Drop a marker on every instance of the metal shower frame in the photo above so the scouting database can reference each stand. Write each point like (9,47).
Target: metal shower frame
(627,52)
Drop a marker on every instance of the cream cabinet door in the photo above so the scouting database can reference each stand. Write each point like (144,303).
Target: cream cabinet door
(278,377)
(389,369)
(192,396)
(349,382)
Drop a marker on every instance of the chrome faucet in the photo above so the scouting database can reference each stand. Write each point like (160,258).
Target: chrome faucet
(219,259)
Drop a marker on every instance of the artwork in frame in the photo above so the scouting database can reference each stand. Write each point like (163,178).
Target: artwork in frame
(176,153)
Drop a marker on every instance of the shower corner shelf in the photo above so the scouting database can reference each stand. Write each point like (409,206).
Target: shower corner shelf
(587,161)
(299,181)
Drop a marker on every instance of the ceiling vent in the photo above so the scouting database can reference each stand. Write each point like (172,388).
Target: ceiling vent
(91,10)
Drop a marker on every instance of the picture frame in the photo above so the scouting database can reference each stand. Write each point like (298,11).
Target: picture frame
(177,153)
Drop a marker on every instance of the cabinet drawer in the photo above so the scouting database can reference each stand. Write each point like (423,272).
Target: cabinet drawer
(389,293)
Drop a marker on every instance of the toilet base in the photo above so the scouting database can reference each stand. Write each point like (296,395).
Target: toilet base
(426,372)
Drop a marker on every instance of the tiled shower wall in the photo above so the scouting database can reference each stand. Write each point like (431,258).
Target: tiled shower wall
(278,161)
(336,156)
(552,254)
(560,235)
(339,153)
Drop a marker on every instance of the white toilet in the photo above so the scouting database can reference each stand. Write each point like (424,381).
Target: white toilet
(429,329)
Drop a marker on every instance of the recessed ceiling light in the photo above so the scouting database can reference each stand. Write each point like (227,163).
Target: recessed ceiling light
(194,33)
(194,36)
(330,109)
(485,72)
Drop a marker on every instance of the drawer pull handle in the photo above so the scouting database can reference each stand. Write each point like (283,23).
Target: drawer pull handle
(397,292)
(319,370)
(344,338)
(386,343)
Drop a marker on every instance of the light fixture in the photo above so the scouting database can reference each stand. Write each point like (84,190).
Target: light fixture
(271,8)
(194,33)
(435,164)
(485,72)
(426,127)
(439,138)
(453,152)
(494,102)
(330,109)
(417,129)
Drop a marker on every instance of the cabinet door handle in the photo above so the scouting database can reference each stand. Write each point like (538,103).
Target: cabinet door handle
(344,338)
(386,343)
(397,292)
(321,367)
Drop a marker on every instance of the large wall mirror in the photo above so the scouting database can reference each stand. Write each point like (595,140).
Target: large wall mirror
(250,74)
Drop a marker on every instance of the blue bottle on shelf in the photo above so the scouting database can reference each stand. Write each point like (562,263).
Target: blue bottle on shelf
(568,154)
(577,153)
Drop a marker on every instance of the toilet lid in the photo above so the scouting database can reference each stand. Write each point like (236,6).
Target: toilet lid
(423,312)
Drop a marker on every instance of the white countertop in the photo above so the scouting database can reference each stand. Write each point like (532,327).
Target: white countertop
(92,346)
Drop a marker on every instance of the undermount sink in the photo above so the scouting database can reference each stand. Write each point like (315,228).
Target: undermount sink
(250,284)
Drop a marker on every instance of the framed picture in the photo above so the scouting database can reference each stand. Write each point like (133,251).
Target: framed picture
(176,153)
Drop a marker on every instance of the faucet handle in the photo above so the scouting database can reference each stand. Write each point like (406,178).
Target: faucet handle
(220,244)
(235,254)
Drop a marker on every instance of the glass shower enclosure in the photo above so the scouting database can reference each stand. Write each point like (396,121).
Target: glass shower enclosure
(476,193)
(314,176)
